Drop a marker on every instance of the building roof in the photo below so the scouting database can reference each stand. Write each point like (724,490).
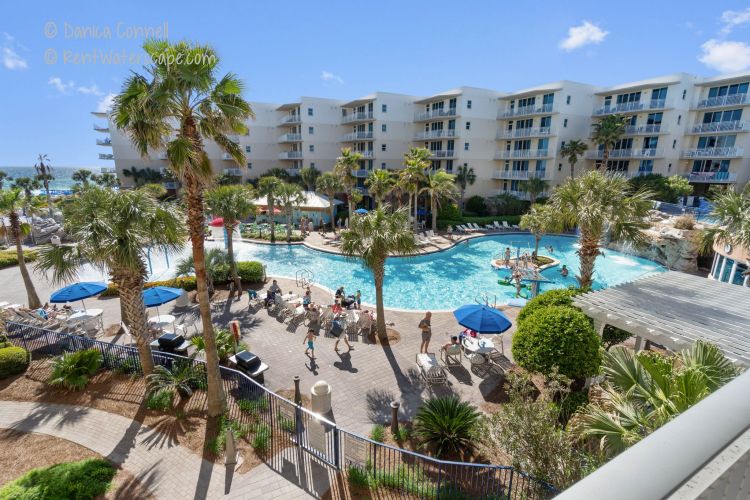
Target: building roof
(645,84)
(718,80)
(288,106)
(313,201)
(675,310)
(546,87)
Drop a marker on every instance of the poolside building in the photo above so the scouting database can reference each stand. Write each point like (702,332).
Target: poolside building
(731,264)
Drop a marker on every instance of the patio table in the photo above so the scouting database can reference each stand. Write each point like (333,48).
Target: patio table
(161,321)
(478,349)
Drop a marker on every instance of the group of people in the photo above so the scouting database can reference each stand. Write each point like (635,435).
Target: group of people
(524,260)
(348,301)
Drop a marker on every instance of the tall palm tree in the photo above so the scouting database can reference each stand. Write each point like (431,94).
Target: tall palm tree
(201,106)
(597,204)
(290,197)
(731,212)
(534,186)
(572,151)
(27,185)
(344,168)
(309,175)
(82,176)
(329,184)
(3,177)
(416,162)
(10,203)
(231,203)
(113,231)
(380,182)
(269,187)
(106,180)
(606,132)
(44,174)
(643,391)
(373,237)
(465,177)
(440,186)
(540,220)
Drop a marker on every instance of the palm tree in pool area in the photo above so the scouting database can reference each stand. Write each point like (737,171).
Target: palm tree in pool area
(231,203)
(82,177)
(598,203)
(373,237)
(202,106)
(216,264)
(540,220)
(731,211)
(44,175)
(290,197)
(113,231)
(27,185)
(607,132)
(3,178)
(572,151)
(329,184)
(346,165)
(380,183)
(465,177)
(11,202)
(309,175)
(534,186)
(269,187)
(440,186)
(416,162)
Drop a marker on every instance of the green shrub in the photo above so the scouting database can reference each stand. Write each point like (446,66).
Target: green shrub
(4,342)
(13,360)
(73,369)
(253,406)
(9,257)
(447,424)
(224,343)
(449,211)
(402,434)
(182,378)
(559,297)
(84,480)
(613,336)
(262,439)
(377,433)
(557,336)
(571,402)
(477,204)
(187,283)
(250,272)
(160,400)
(286,424)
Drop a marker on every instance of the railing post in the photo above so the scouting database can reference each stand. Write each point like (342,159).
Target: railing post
(510,484)
(394,417)
(336,447)
(439,480)
(297,393)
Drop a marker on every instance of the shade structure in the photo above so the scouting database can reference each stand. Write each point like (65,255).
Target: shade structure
(482,318)
(78,291)
(361,211)
(158,295)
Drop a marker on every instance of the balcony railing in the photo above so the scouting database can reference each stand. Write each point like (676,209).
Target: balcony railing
(290,137)
(290,155)
(357,117)
(290,119)
(435,113)
(638,173)
(519,174)
(103,156)
(521,154)
(712,153)
(361,173)
(656,128)
(711,177)
(625,153)
(435,134)
(236,172)
(101,128)
(629,107)
(358,136)
(108,170)
(733,126)
(725,100)
(526,110)
(104,142)
(368,155)
(524,132)
(522,195)
(293,171)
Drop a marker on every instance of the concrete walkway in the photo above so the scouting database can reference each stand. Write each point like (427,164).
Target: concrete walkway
(167,470)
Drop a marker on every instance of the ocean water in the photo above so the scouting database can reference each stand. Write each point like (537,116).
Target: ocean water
(62,176)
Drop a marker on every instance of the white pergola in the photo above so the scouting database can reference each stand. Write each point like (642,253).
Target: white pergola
(675,310)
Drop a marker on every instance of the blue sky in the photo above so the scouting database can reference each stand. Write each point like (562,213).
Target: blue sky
(343,49)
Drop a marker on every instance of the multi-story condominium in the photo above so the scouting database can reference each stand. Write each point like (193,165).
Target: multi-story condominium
(533,125)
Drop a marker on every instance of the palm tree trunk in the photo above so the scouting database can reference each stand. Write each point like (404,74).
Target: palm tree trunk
(49,200)
(433,209)
(332,207)
(587,256)
(271,217)
(379,274)
(463,194)
(416,209)
(130,286)
(572,169)
(232,264)
(31,295)
(536,246)
(216,397)
(288,226)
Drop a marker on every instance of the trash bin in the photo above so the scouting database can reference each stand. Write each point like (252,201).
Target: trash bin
(320,397)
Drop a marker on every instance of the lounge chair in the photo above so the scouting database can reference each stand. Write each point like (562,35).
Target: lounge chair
(419,241)
(497,226)
(506,226)
(489,227)
(466,228)
(430,369)
(431,235)
(326,318)
(424,239)
(477,228)
(452,356)
(515,226)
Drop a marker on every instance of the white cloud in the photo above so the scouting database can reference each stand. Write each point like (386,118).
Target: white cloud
(585,34)
(105,103)
(327,76)
(59,85)
(725,56)
(734,18)
(92,90)
(8,55)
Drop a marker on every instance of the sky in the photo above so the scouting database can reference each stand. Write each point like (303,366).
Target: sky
(59,62)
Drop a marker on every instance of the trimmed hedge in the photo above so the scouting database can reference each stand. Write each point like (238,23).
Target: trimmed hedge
(250,272)
(13,360)
(84,480)
(187,283)
(559,297)
(511,219)
(9,257)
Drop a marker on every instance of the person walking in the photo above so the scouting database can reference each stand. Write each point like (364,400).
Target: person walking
(310,339)
(426,328)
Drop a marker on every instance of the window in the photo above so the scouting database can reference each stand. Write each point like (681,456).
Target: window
(669,167)
(567,100)
(383,127)
(684,93)
(249,164)
(679,119)
(559,167)
(650,142)
(466,146)
(565,123)
(312,164)
(383,147)
(468,125)
(384,108)
(646,166)
(247,149)
(382,165)
(309,112)
(449,165)
(654,118)
(468,104)
(658,95)
(544,122)
(311,130)
(674,143)
(562,144)
(312,148)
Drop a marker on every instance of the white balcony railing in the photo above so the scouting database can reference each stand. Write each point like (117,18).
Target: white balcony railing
(368,155)
(435,134)
(104,142)
(361,173)
(725,100)
(442,153)
(519,174)
(236,172)
(290,119)
(101,128)
(733,126)
(108,170)
(629,107)
(104,156)
(521,154)
(290,137)
(526,110)
(712,153)
(644,129)
(357,117)
(435,113)
(358,136)
(523,195)
(711,177)
(290,155)
(293,171)
(524,132)
(625,153)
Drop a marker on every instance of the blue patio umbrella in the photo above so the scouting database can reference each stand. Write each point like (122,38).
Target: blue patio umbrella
(360,211)
(482,318)
(78,291)
(158,295)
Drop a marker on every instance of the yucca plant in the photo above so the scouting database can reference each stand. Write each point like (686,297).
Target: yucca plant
(182,378)
(72,370)
(447,424)
(224,344)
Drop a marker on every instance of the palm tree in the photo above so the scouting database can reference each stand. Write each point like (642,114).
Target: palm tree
(344,168)
(440,186)
(27,185)
(540,220)
(643,391)
(113,231)
(82,177)
(465,177)
(534,186)
(572,150)
(106,180)
(329,184)
(309,175)
(202,106)
(3,177)
(731,212)
(373,237)
(216,265)
(269,187)
(10,203)
(44,174)
(416,162)
(290,197)
(599,203)
(607,132)
(380,182)
(231,203)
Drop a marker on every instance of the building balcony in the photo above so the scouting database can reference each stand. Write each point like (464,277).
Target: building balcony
(290,155)
(290,138)
(519,174)
(526,111)
(108,170)
(442,153)
(234,171)
(361,173)
(358,136)
(435,134)
(362,116)
(294,172)
(104,142)
(367,155)
(290,120)
(711,177)
(653,129)
(725,100)
(520,154)
(101,128)
(719,127)
(637,173)
(522,195)
(624,153)
(105,156)
(435,114)
(520,133)
(631,107)
(173,185)
(712,153)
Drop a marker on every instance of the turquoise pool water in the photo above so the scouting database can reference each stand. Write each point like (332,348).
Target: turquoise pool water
(443,280)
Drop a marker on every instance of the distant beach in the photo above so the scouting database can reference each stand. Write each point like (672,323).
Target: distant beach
(62,175)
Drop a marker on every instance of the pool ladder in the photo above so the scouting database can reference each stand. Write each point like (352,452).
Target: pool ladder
(303,277)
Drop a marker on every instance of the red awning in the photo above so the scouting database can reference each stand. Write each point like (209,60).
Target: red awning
(217,222)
